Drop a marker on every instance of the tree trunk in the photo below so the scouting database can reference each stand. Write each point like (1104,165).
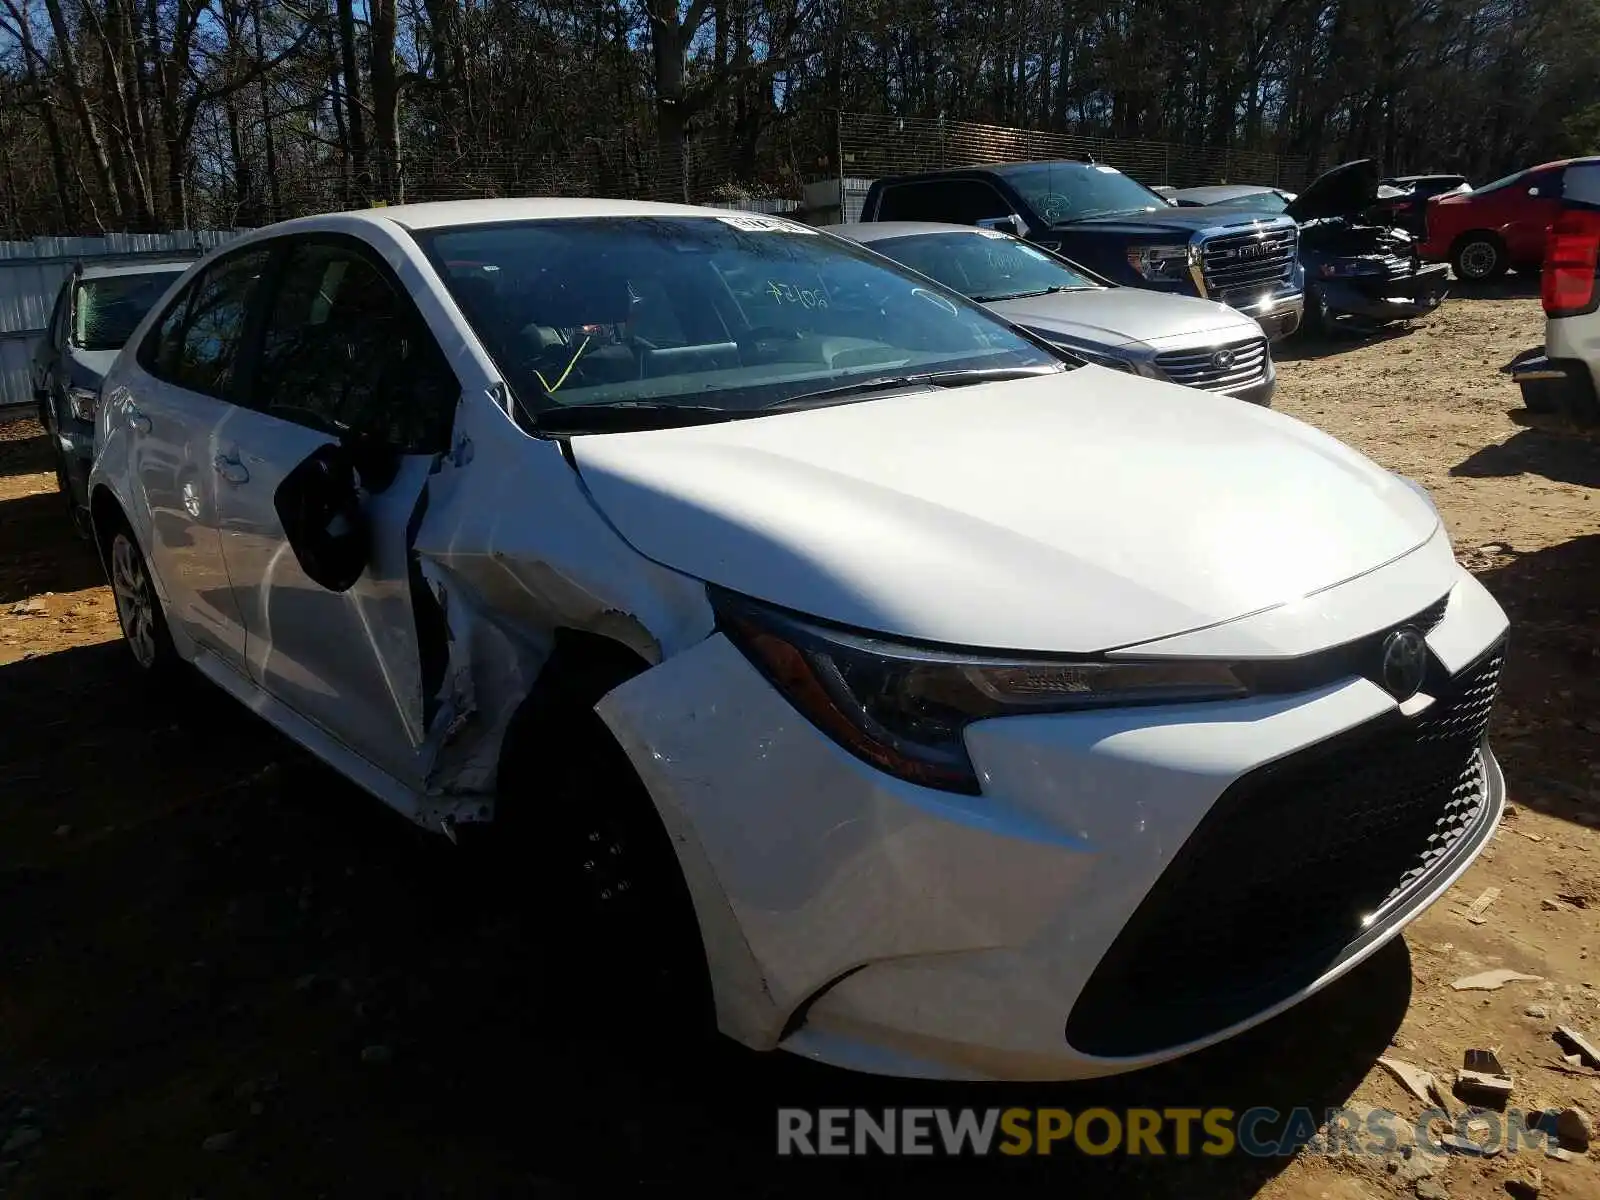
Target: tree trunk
(269,140)
(355,137)
(386,100)
(72,75)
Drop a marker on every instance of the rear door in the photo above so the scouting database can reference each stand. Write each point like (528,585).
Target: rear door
(177,409)
(344,355)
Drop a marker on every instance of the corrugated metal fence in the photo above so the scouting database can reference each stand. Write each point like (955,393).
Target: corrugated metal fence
(31,274)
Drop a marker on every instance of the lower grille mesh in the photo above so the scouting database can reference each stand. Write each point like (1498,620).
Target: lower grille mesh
(1278,880)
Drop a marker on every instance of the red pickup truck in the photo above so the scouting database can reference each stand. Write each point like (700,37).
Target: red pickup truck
(1500,226)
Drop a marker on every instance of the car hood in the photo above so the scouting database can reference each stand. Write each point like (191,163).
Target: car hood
(1171,219)
(1344,191)
(1122,316)
(1069,513)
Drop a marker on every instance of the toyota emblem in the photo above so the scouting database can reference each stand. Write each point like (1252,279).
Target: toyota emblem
(1222,359)
(1405,663)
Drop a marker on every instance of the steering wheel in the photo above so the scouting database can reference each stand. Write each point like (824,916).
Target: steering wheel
(1052,206)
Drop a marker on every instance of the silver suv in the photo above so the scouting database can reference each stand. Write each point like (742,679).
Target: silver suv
(1560,384)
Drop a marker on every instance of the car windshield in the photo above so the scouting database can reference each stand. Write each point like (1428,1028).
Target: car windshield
(984,265)
(1062,192)
(106,310)
(724,315)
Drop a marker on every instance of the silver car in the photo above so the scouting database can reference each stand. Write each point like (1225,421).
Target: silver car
(1181,339)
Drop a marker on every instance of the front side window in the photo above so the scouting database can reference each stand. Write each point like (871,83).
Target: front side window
(1063,192)
(343,351)
(984,266)
(725,315)
(105,311)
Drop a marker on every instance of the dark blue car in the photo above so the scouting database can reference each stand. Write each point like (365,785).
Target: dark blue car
(96,310)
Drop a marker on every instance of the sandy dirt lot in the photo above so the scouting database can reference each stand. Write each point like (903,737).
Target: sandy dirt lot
(228,974)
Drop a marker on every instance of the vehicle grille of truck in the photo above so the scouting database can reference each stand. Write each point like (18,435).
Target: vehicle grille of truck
(1240,261)
(1217,368)
(1295,864)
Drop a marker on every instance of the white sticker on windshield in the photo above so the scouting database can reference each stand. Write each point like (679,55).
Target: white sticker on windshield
(991,233)
(1106,169)
(754,224)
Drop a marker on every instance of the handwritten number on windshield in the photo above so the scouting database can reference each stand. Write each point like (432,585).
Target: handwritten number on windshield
(787,293)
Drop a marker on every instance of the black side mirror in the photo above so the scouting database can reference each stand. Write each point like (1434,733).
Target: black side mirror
(319,507)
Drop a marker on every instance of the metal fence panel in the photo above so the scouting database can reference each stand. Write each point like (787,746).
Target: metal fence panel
(31,273)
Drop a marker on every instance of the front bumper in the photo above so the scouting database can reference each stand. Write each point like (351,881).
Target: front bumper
(874,925)
(1388,299)
(1279,314)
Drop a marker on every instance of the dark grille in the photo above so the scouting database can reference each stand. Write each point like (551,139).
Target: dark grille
(1235,261)
(1246,363)
(1275,884)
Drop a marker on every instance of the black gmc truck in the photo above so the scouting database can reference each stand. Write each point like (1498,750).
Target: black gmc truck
(1118,228)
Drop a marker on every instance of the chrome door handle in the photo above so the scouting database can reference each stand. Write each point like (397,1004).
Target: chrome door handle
(137,421)
(230,469)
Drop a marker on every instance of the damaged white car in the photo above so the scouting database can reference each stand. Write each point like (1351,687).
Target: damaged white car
(944,706)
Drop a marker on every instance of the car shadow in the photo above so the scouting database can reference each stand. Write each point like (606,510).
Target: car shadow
(1508,287)
(40,551)
(222,937)
(1546,731)
(24,446)
(1310,346)
(1534,452)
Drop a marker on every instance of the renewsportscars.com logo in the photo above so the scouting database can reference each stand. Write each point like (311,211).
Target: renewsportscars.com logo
(1214,1132)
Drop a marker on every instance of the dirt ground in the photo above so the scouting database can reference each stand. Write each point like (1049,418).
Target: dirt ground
(225,973)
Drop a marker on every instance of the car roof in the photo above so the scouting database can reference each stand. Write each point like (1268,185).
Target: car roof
(114,270)
(441,214)
(992,168)
(880,231)
(1224,191)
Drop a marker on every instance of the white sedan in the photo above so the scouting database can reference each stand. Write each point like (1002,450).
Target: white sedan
(926,701)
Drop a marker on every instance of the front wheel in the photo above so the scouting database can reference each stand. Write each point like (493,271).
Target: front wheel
(144,625)
(1479,257)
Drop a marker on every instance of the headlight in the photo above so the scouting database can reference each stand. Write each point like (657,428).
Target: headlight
(83,402)
(904,709)
(1162,264)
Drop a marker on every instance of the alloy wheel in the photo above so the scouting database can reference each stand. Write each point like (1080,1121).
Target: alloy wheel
(130,584)
(1478,259)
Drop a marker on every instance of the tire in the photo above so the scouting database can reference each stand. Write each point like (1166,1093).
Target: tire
(139,612)
(608,890)
(1479,257)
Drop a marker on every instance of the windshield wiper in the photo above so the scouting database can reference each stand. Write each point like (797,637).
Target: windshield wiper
(627,416)
(890,383)
(999,296)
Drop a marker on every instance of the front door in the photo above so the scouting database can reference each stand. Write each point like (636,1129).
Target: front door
(344,357)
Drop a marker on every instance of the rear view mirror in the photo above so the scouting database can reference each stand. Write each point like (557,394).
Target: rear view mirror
(319,508)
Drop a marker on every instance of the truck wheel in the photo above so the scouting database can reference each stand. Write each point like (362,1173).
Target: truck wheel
(1318,317)
(1478,257)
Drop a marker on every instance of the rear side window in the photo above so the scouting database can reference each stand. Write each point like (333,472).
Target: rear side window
(955,201)
(345,351)
(196,344)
